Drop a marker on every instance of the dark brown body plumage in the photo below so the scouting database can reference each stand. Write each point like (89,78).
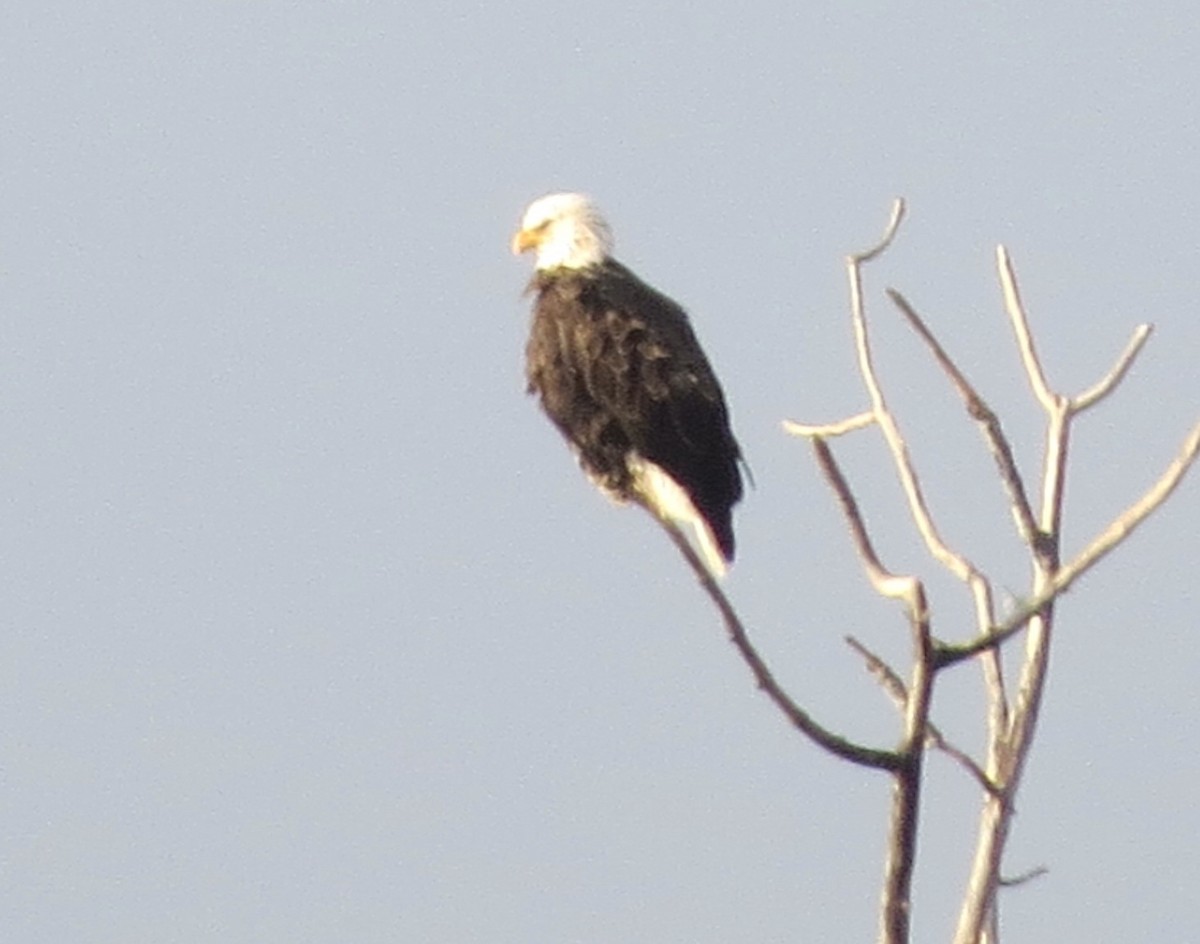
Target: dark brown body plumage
(620,372)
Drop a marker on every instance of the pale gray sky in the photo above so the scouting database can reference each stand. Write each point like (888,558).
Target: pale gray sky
(312,629)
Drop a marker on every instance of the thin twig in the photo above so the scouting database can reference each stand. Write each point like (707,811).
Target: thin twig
(884,674)
(839,428)
(979,410)
(886,583)
(899,207)
(1020,323)
(1106,384)
(965,760)
(1028,876)
(862,419)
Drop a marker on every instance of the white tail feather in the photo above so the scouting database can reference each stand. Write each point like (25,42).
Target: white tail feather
(667,499)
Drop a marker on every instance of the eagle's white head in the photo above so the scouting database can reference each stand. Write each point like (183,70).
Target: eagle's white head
(566,231)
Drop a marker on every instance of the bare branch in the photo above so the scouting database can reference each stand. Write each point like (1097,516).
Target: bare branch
(1106,384)
(978,911)
(849,425)
(846,749)
(1010,477)
(1035,873)
(1020,323)
(956,563)
(906,786)
(884,581)
(1009,751)
(978,409)
(965,760)
(1010,729)
(889,233)
(1133,516)
(853,261)
(883,673)
(1108,539)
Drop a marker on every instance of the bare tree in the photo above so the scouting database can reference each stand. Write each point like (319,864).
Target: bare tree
(1013,708)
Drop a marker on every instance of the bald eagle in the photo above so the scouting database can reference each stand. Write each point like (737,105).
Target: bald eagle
(620,373)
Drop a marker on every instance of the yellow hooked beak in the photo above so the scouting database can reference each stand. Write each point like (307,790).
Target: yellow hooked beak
(525,240)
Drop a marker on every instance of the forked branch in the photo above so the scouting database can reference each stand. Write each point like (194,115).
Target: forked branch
(890,681)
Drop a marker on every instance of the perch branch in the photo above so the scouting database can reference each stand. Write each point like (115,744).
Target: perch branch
(841,747)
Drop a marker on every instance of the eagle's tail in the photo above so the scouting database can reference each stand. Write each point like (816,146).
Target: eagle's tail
(668,500)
